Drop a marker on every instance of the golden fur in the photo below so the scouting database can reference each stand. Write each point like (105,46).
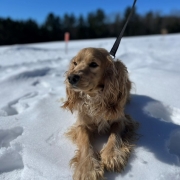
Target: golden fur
(98,88)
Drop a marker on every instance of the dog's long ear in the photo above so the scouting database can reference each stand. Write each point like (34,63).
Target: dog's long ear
(72,96)
(72,99)
(116,88)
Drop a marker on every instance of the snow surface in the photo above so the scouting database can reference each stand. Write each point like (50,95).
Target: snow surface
(32,124)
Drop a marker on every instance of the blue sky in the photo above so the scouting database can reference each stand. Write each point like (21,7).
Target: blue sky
(38,9)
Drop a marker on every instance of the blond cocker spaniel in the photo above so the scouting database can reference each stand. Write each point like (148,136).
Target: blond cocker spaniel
(98,88)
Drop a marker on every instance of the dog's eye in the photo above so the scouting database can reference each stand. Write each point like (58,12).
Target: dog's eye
(75,63)
(93,65)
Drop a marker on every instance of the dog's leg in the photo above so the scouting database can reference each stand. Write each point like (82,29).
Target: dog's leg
(85,162)
(119,146)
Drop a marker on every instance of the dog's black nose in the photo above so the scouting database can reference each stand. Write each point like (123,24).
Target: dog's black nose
(73,79)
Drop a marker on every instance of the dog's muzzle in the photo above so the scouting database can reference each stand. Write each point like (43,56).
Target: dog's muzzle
(73,79)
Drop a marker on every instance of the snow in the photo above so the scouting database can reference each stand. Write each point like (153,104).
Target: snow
(32,124)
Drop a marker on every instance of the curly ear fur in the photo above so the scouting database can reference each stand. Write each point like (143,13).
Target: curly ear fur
(72,99)
(72,96)
(116,89)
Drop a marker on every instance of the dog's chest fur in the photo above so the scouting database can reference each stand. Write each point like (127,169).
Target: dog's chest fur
(92,107)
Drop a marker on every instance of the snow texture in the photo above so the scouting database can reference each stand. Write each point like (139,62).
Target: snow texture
(32,124)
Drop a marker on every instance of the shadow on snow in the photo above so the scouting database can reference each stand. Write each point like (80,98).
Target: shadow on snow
(154,132)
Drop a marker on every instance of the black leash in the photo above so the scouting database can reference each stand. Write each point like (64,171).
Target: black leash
(118,40)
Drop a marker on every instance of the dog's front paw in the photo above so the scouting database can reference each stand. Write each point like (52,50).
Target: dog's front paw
(115,158)
(88,168)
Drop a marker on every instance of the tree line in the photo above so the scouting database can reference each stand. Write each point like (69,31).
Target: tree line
(95,25)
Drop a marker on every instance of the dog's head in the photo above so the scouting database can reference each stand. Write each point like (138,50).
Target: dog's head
(87,69)
(93,71)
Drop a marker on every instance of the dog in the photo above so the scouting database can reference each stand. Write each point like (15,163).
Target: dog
(98,88)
